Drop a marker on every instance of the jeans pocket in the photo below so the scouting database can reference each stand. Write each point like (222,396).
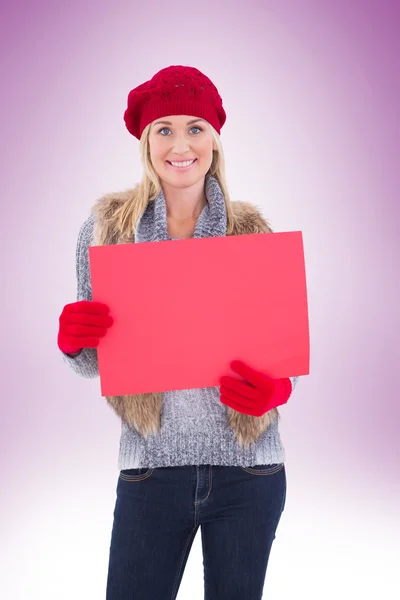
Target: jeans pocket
(263,469)
(135,474)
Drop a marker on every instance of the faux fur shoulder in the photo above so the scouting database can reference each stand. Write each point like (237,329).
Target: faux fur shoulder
(106,205)
(104,209)
(248,218)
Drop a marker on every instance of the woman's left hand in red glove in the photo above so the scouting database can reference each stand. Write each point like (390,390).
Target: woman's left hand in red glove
(255,396)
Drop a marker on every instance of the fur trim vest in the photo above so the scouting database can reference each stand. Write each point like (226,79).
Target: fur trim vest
(142,412)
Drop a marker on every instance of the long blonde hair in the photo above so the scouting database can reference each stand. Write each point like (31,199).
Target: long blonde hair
(126,216)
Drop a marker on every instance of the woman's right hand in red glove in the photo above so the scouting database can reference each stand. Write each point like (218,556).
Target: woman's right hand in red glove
(82,324)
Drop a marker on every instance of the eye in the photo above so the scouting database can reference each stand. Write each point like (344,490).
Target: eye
(166,129)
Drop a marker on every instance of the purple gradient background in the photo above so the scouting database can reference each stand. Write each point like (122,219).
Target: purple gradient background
(312,95)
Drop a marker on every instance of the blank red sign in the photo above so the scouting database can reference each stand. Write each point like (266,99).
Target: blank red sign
(183,309)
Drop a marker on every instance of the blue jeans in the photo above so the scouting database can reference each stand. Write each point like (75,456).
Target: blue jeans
(156,517)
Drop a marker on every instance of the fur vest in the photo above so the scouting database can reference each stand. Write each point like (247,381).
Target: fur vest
(142,412)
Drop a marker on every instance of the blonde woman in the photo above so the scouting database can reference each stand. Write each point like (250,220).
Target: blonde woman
(210,457)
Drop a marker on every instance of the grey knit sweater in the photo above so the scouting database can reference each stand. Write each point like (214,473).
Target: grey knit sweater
(194,428)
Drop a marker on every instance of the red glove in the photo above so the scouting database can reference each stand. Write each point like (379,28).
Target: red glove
(255,396)
(82,324)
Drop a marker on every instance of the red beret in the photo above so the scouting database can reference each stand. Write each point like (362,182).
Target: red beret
(175,90)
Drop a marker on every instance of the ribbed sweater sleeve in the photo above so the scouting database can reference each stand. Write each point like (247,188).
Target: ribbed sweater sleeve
(85,363)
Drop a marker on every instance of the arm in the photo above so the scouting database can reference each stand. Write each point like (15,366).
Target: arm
(85,362)
(293,381)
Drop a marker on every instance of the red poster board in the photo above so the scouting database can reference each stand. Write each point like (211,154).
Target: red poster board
(183,309)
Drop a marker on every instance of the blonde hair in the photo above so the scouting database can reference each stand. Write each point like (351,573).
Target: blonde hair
(126,216)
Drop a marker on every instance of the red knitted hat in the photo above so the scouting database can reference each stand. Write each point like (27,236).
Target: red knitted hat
(175,90)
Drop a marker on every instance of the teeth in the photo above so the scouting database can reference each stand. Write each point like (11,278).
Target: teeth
(182,164)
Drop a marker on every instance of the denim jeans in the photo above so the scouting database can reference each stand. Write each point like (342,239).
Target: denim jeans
(156,517)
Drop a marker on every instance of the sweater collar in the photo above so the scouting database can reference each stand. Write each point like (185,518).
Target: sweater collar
(212,221)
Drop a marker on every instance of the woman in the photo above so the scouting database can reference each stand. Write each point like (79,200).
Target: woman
(209,457)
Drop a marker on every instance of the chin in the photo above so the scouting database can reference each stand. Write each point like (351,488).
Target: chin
(182,181)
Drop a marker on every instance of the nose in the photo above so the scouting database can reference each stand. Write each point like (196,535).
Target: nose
(181,144)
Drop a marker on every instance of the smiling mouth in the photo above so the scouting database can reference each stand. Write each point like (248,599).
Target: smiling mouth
(182,164)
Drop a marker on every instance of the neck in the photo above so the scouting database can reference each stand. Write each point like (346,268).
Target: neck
(184,204)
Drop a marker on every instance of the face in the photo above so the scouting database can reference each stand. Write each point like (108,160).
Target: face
(181,149)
